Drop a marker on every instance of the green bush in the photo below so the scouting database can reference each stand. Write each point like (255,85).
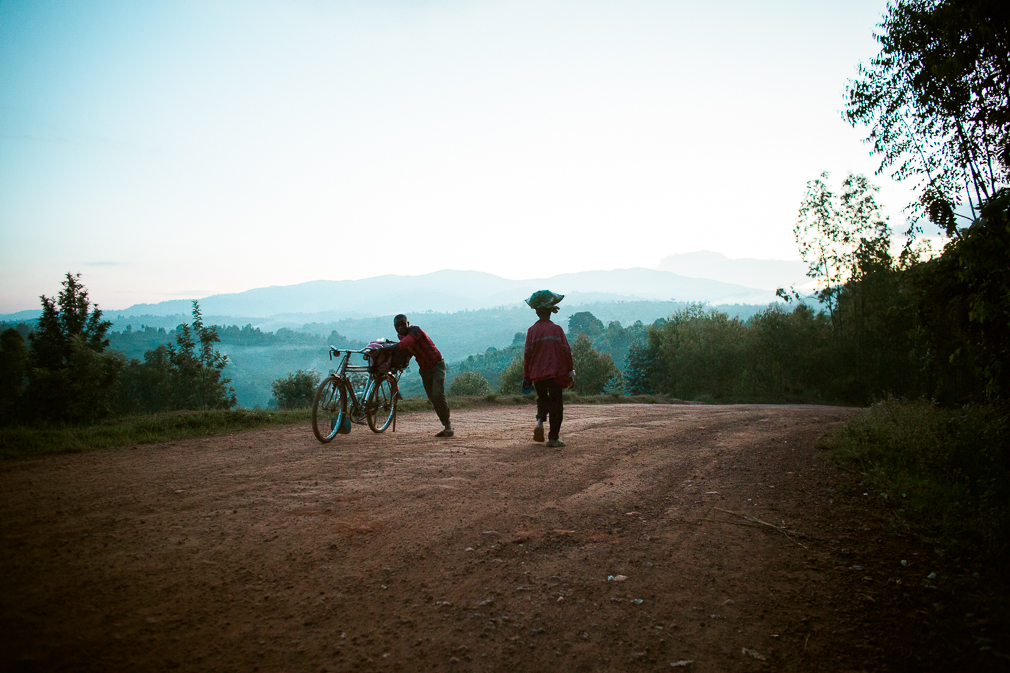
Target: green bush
(295,391)
(469,383)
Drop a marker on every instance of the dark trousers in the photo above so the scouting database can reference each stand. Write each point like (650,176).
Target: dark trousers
(434,387)
(550,405)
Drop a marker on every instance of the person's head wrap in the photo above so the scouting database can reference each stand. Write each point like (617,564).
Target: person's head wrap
(545,300)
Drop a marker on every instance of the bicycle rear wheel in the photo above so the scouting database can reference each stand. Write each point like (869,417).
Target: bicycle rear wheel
(328,409)
(381,406)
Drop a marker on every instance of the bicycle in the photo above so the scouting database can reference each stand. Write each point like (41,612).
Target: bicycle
(337,404)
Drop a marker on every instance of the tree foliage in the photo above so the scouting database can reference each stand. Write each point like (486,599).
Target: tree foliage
(936,101)
(982,256)
(962,309)
(618,341)
(594,372)
(198,367)
(698,352)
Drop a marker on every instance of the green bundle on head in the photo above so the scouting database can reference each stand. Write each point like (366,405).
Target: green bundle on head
(545,299)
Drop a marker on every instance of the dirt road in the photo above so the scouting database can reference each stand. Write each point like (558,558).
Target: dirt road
(660,535)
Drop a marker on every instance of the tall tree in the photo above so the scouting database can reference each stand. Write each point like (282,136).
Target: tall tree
(198,367)
(71,377)
(639,364)
(936,100)
(583,322)
(68,315)
(594,372)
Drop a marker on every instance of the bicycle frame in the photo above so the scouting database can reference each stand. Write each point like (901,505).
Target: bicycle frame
(356,407)
(344,367)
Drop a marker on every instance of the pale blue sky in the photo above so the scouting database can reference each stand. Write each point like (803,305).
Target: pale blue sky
(180,149)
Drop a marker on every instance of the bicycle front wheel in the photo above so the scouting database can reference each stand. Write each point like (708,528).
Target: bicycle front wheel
(382,403)
(329,408)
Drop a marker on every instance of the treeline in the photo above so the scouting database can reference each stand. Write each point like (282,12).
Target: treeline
(906,324)
(464,333)
(133,343)
(66,373)
(698,353)
(899,325)
(151,374)
(67,368)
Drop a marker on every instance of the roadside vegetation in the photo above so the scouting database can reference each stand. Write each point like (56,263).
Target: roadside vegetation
(945,470)
(936,331)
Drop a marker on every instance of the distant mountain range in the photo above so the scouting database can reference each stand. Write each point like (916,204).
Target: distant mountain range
(446,291)
(450,291)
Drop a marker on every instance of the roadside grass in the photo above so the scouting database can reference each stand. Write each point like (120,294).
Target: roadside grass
(28,441)
(25,442)
(946,470)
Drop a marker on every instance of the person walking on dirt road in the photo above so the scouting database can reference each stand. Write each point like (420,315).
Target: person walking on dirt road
(547,366)
(430,366)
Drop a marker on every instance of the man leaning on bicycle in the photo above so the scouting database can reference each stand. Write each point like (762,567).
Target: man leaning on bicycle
(430,366)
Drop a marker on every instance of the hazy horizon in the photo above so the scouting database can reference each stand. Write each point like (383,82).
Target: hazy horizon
(597,284)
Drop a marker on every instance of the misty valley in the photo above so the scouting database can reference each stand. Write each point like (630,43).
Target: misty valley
(484,341)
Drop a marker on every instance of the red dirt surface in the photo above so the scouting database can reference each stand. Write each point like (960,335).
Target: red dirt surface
(695,538)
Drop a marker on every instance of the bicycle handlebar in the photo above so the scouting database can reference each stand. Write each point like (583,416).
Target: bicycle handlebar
(338,351)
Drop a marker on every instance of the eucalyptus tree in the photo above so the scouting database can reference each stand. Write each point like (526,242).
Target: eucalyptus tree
(936,101)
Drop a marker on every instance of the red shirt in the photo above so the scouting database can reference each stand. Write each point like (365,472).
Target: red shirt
(421,347)
(547,354)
